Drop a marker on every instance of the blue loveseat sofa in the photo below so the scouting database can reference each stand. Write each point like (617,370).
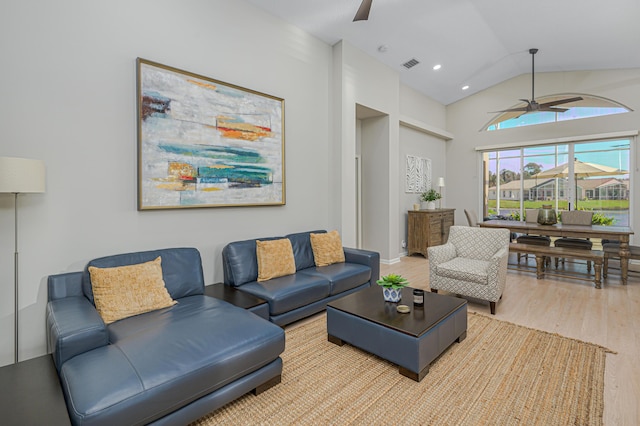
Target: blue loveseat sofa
(168,366)
(307,291)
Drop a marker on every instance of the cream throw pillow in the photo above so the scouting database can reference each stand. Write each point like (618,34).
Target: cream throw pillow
(275,259)
(130,290)
(327,248)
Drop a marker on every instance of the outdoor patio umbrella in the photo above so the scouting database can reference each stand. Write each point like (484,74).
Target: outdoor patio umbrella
(580,170)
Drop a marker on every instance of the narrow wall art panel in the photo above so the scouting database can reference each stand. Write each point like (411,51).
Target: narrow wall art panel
(205,143)
(418,174)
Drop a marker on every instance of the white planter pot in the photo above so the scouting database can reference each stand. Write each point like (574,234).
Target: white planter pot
(392,295)
(431,205)
(423,205)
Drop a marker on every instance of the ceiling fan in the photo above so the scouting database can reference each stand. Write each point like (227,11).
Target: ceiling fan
(363,11)
(532,105)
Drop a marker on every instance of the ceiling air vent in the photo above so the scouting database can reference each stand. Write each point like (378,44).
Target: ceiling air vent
(411,63)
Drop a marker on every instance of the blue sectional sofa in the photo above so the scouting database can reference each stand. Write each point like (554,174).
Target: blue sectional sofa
(168,366)
(306,292)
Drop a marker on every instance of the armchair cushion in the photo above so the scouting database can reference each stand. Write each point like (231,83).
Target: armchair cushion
(459,268)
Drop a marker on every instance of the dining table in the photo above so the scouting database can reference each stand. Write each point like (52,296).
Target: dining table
(618,233)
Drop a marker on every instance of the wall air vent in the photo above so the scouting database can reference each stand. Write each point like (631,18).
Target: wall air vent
(411,63)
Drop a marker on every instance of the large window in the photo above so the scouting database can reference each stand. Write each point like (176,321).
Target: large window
(596,179)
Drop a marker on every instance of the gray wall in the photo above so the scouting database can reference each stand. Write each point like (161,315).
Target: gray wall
(68,98)
(414,142)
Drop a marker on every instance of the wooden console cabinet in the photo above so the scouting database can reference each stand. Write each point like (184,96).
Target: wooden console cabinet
(428,228)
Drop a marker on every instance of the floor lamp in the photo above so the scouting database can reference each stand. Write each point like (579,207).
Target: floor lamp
(440,185)
(19,176)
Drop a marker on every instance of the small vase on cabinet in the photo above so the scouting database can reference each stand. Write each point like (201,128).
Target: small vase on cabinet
(431,205)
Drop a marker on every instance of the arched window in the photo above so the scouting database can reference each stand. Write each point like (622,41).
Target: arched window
(590,106)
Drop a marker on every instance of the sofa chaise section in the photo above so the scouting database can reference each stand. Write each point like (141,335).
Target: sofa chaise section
(167,366)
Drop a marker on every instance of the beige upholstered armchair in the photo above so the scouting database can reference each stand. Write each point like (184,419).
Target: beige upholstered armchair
(472,263)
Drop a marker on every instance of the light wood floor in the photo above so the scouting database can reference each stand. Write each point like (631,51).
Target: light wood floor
(572,308)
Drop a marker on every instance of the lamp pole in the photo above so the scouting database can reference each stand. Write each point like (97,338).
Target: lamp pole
(19,176)
(15,275)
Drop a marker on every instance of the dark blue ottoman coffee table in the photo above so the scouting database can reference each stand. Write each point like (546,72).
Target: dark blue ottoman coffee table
(412,341)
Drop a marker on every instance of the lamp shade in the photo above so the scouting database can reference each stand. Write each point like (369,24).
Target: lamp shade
(19,175)
(440,181)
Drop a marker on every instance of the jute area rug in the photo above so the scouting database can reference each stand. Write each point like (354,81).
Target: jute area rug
(501,374)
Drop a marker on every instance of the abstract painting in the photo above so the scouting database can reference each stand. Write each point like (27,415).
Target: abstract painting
(205,143)
(418,174)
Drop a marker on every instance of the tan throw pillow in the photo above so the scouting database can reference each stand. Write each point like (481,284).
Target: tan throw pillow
(275,259)
(130,290)
(327,248)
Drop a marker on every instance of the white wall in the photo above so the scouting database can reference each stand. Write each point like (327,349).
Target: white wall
(375,182)
(361,80)
(419,107)
(414,142)
(468,116)
(68,92)
(69,98)
(416,106)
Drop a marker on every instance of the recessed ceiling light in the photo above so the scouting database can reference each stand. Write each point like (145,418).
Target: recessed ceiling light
(437,67)
(465,87)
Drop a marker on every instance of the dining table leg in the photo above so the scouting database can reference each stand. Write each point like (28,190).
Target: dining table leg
(624,257)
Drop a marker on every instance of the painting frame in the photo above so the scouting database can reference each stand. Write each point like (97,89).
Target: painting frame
(206,143)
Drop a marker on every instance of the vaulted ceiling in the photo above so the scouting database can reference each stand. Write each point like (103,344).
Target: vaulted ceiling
(478,43)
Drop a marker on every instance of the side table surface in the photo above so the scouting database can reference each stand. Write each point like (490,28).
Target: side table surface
(30,394)
(238,298)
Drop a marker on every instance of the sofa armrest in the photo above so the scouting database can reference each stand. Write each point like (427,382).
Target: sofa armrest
(498,268)
(73,327)
(440,254)
(364,257)
(497,256)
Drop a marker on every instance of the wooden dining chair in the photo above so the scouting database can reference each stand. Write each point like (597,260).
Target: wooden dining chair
(472,217)
(575,217)
(531,216)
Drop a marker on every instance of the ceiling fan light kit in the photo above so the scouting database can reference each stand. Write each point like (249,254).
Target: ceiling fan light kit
(532,105)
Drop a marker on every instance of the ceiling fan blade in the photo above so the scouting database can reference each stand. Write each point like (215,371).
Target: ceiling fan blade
(560,102)
(525,109)
(552,109)
(363,11)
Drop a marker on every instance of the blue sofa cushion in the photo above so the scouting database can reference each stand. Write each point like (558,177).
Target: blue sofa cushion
(302,250)
(287,293)
(181,270)
(125,384)
(341,276)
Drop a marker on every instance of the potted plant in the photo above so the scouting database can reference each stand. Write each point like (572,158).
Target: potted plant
(392,286)
(430,198)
